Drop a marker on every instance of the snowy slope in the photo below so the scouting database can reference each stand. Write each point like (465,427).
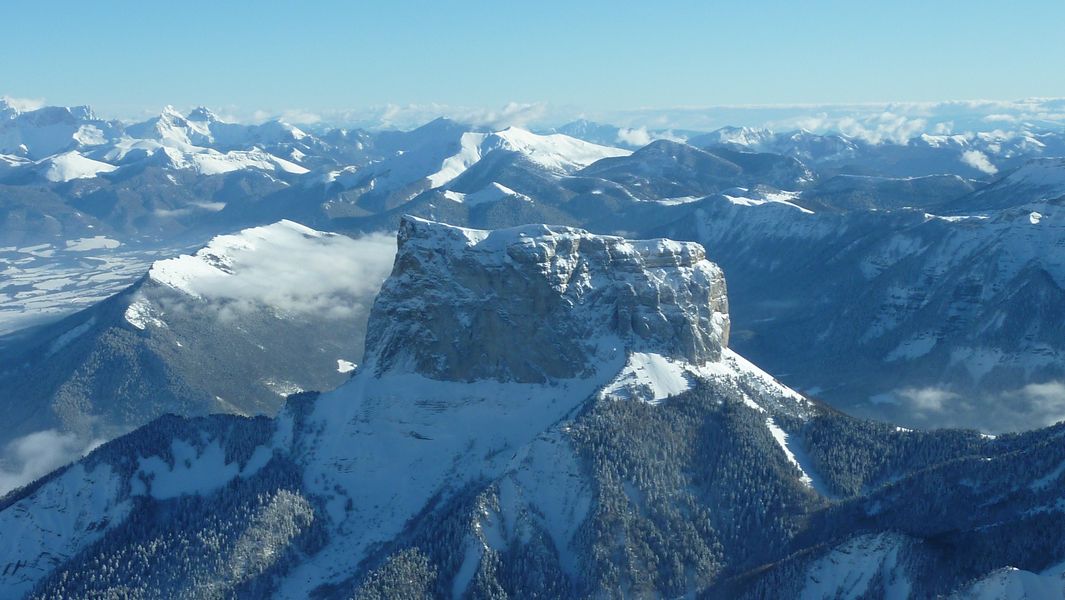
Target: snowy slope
(417,409)
(441,152)
(249,318)
(1017,584)
(288,266)
(71,165)
(37,134)
(517,470)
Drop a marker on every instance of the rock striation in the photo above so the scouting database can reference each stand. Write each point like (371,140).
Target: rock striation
(537,303)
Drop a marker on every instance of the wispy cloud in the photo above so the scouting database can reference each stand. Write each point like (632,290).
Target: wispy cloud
(277,267)
(872,122)
(28,458)
(978,160)
(295,116)
(641,136)
(519,114)
(1028,407)
(23,104)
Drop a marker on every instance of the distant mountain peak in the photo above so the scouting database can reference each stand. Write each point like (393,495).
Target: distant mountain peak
(202,113)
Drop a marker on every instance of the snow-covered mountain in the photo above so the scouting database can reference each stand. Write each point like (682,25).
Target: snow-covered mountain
(72,143)
(1036,181)
(177,180)
(905,315)
(234,328)
(972,155)
(665,170)
(443,151)
(38,134)
(620,446)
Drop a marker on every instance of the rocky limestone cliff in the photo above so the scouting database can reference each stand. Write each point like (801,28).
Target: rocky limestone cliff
(539,303)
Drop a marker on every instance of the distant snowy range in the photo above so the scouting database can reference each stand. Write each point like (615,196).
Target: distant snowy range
(485,357)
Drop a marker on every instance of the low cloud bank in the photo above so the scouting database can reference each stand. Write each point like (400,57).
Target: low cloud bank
(29,458)
(285,268)
(1029,407)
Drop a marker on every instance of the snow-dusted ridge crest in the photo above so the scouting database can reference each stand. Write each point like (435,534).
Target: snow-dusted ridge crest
(538,303)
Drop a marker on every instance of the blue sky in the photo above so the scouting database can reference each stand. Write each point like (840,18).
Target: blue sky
(127,58)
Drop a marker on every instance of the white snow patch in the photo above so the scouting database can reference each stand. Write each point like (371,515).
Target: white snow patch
(453,166)
(70,335)
(797,456)
(98,242)
(845,572)
(71,165)
(57,521)
(763,198)
(1017,584)
(390,443)
(677,201)
(556,152)
(457,197)
(493,192)
(194,471)
(140,314)
(915,347)
(650,377)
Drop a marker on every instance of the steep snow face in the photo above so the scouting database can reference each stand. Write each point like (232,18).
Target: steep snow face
(383,447)
(50,130)
(1047,173)
(847,571)
(287,266)
(52,524)
(538,303)
(1017,584)
(469,153)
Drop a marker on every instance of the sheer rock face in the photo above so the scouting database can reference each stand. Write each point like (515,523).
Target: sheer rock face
(537,303)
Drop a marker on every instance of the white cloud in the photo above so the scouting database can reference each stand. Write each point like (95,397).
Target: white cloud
(277,266)
(23,104)
(1044,401)
(300,117)
(640,136)
(514,113)
(929,399)
(1029,407)
(28,458)
(978,160)
(518,114)
(634,137)
(295,116)
(943,128)
(875,122)
(884,127)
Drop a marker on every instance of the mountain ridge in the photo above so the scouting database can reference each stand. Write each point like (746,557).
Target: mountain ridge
(727,485)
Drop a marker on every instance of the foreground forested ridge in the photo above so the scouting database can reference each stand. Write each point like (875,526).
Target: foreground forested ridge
(652,461)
